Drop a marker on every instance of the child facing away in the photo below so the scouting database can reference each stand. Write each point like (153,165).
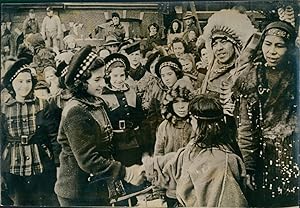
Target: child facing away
(207,172)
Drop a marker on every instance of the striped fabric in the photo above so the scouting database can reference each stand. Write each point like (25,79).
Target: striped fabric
(21,121)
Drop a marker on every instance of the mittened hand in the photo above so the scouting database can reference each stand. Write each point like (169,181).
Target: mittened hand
(135,175)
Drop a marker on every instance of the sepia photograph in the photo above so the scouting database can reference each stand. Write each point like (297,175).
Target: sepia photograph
(150,103)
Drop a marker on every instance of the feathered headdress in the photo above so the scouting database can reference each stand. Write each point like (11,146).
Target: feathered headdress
(231,23)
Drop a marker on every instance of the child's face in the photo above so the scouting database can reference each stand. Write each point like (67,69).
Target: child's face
(168,76)
(178,49)
(181,107)
(22,84)
(117,77)
(50,77)
(153,30)
(42,93)
(187,65)
(113,48)
(96,82)
(116,20)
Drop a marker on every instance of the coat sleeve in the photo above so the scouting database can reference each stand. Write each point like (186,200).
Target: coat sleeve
(159,148)
(248,143)
(82,131)
(165,170)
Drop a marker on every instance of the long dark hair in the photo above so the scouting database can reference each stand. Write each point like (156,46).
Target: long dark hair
(212,128)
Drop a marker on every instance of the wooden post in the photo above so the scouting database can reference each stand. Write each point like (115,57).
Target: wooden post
(194,11)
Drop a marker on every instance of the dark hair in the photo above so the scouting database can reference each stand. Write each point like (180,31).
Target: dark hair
(212,129)
(179,26)
(34,81)
(291,54)
(178,70)
(180,40)
(155,25)
(80,86)
(167,110)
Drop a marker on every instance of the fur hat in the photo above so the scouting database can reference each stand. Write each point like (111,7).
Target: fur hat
(236,26)
(181,91)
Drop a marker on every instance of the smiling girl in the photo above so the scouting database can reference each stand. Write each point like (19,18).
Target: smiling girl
(28,160)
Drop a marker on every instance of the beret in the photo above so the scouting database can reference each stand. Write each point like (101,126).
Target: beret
(168,61)
(17,67)
(80,62)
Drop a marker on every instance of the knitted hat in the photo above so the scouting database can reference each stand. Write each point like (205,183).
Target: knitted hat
(232,24)
(16,68)
(169,61)
(79,64)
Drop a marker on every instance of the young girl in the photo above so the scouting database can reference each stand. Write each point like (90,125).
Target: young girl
(28,162)
(207,172)
(85,135)
(168,71)
(124,110)
(175,131)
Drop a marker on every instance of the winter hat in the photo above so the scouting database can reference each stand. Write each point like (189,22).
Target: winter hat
(281,29)
(113,58)
(170,61)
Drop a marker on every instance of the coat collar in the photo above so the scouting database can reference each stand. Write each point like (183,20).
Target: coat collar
(11,100)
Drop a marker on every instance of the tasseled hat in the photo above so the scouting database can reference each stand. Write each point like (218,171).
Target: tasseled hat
(229,23)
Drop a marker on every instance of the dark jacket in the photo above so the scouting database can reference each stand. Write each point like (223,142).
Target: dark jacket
(266,110)
(85,135)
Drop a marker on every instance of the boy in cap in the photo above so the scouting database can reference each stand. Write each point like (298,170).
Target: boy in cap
(30,24)
(116,28)
(51,29)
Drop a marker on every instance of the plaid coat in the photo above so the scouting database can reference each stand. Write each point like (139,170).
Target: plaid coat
(28,139)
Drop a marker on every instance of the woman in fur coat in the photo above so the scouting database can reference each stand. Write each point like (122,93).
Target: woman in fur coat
(266,111)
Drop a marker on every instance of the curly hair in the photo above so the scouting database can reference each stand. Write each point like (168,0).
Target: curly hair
(80,86)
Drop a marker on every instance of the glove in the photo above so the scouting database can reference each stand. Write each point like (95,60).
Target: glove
(135,174)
